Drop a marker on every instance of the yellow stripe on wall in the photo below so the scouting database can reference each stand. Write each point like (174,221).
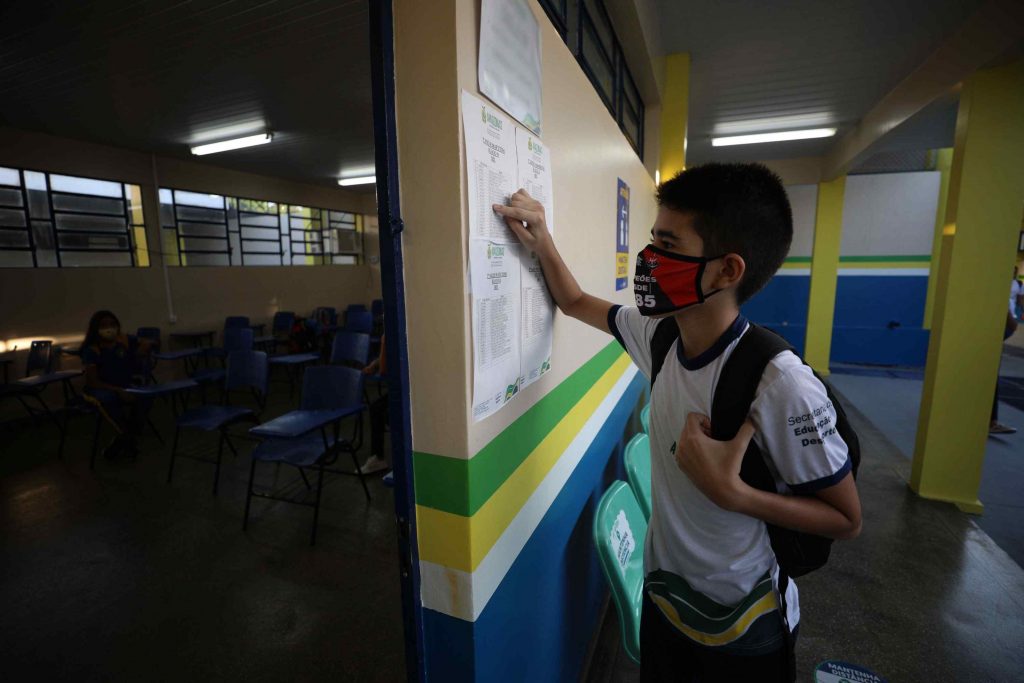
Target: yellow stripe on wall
(443,535)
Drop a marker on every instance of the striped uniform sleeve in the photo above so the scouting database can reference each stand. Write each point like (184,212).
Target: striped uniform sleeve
(796,426)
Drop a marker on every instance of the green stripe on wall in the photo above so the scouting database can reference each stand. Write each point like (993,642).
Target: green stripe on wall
(461,486)
(921,258)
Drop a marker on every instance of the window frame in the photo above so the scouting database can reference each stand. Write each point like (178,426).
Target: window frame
(51,221)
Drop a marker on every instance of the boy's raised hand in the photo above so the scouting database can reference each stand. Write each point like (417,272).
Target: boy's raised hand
(713,466)
(522,208)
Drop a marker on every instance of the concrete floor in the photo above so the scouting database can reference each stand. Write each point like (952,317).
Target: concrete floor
(924,594)
(892,405)
(115,575)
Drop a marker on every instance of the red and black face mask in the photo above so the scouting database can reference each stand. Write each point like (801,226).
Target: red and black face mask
(665,282)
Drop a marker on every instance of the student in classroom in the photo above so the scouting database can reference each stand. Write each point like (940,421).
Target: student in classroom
(110,359)
(721,232)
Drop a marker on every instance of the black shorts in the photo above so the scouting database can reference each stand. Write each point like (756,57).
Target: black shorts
(667,655)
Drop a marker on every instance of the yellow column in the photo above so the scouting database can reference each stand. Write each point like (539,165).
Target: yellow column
(674,112)
(986,192)
(828,231)
(943,166)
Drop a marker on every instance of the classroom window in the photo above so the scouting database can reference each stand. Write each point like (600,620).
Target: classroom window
(48,220)
(588,32)
(215,230)
(557,11)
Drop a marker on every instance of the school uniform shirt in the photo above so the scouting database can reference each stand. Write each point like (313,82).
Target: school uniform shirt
(712,572)
(114,364)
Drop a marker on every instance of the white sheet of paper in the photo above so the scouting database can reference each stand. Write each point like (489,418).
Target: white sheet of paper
(491,167)
(533,172)
(509,70)
(622,539)
(538,320)
(495,274)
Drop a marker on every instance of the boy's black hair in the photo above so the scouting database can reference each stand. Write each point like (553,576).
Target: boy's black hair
(737,209)
(92,333)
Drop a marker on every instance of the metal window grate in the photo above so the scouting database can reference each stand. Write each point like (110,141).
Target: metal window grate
(53,220)
(207,229)
(587,30)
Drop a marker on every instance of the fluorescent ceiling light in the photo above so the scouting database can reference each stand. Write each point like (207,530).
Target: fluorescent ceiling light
(359,180)
(773,137)
(237,143)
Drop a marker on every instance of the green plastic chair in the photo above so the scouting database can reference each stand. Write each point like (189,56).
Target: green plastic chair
(645,417)
(638,471)
(619,532)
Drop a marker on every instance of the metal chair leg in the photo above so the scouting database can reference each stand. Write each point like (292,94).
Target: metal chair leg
(248,495)
(174,453)
(359,472)
(216,471)
(302,472)
(156,432)
(316,508)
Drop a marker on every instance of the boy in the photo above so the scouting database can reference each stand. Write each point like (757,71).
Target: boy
(711,609)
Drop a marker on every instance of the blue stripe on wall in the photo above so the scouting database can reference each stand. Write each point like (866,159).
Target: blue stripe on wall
(877,317)
(539,623)
(782,307)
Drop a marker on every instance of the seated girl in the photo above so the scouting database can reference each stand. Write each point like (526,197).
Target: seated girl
(110,359)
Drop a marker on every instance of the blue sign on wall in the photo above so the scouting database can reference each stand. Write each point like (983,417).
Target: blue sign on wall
(622,237)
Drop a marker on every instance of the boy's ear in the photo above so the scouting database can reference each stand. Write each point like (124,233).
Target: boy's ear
(731,271)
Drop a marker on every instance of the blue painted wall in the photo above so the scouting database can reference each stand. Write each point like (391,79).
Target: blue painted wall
(539,624)
(877,317)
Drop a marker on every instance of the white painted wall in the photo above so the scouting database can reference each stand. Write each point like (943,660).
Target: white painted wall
(890,214)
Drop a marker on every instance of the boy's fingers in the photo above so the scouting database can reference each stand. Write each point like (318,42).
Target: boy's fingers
(516,226)
(746,431)
(695,421)
(514,212)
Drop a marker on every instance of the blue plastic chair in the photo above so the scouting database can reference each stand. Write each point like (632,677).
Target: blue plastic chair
(40,372)
(645,418)
(150,333)
(619,532)
(302,438)
(283,321)
(235,339)
(637,459)
(359,321)
(40,358)
(236,321)
(246,370)
(351,349)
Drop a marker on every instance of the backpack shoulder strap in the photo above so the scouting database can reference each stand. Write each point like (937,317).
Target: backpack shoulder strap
(740,377)
(665,334)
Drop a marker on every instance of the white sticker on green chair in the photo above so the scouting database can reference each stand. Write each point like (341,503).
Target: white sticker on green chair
(622,539)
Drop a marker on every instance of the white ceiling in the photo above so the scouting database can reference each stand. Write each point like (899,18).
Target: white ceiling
(758,66)
(159,75)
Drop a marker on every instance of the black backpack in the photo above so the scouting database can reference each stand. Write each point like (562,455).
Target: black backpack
(797,552)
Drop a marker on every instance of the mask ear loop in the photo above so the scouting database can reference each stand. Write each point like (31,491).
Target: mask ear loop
(700,277)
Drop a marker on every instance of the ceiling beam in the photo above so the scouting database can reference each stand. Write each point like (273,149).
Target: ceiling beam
(996,28)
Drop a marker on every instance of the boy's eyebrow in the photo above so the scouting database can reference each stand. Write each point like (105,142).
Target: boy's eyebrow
(663,234)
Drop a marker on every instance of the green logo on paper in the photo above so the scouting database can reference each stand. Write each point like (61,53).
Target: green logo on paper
(495,250)
(491,119)
(512,390)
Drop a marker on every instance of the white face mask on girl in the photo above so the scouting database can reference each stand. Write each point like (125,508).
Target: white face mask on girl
(108,333)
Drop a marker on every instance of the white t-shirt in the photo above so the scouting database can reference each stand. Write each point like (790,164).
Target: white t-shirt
(1015,291)
(719,553)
